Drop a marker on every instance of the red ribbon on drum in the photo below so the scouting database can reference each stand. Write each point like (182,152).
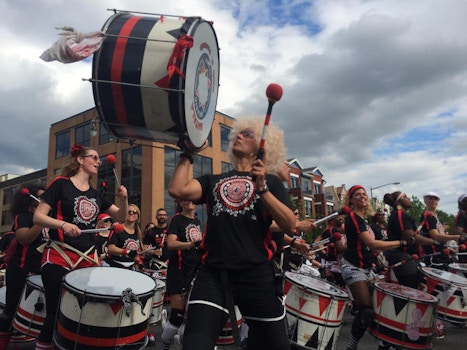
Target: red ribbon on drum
(183,43)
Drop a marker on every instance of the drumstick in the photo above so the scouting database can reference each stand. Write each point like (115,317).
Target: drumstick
(94,230)
(345,210)
(26,192)
(112,160)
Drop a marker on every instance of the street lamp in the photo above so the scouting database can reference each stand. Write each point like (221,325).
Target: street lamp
(374,188)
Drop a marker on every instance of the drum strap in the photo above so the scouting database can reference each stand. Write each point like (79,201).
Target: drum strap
(58,246)
(231,307)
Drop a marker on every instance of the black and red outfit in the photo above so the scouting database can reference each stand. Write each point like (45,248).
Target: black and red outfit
(23,262)
(237,260)
(156,237)
(429,221)
(460,221)
(407,274)
(124,240)
(7,239)
(357,253)
(64,253)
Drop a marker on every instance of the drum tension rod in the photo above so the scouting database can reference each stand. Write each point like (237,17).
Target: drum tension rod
(92,80)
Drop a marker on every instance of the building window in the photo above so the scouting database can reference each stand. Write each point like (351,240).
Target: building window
(225,132)
(131,173)
(202,166)
(306,185)
(226,167)
(104,135)
(294,181)
(83,135)
(308,208)
(63,144)
(317,187)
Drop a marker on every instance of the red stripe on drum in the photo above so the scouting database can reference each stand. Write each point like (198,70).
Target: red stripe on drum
(27,330)
(116,69)
(99,342)
(424,331)
(323,304)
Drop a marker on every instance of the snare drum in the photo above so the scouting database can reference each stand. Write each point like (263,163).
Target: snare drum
(403,316)
(458,269)
(157,302)
(133,93)
(30,314)
(451,290)
(315,310)
(103,308)
(226,336)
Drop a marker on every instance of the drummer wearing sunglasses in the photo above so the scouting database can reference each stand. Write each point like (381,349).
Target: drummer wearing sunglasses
(237,265)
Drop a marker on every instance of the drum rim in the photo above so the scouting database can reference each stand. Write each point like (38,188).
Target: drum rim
(341,294)
(426,270)
(434,300)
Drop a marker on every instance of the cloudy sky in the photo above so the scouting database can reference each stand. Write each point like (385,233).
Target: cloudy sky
(375,91)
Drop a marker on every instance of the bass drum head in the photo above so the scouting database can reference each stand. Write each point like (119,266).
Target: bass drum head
(133,94)
(445,276)
(316,285)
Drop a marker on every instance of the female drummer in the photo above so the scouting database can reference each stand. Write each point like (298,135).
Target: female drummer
(25,260)
(184,237)
(432,228)
(75,206)
(125,246)
(237,260)
(359,258)
(402,227)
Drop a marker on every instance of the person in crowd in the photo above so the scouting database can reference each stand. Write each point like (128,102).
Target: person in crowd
(460,222)
(75,206)
(7,238)
(25,260)
(104,221)
(333,253)
(379,226)
(156,237)
(432,228)
(236,266)
(359,258)
(293,253)
(124,247)
(183,239)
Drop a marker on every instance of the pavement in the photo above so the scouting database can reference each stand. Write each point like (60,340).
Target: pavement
(454,339)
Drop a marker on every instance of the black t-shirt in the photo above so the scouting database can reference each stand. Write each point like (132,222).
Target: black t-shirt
(398,222)
(157,237)
(237,231)
(357,253)
(74,206)
(187,230)
(126,241)
(332,252)
(431,222)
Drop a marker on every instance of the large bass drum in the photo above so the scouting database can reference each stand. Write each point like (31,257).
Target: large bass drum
(157,77)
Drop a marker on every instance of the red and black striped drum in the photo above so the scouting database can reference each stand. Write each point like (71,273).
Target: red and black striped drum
(403,316)
(157,78)
(103,308)
(315,310)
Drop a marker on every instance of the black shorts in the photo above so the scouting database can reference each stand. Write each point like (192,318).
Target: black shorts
(179,281)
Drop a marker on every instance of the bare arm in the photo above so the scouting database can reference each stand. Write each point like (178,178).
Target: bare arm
(376,244)
(174,244)
(26,236)
(181,186)
(120,212)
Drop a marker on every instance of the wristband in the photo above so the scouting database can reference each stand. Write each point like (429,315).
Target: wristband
(293,242)
(124,252)
(61,227)
(187,156)
(264,190)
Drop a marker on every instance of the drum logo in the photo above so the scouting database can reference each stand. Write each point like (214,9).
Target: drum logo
(203,89)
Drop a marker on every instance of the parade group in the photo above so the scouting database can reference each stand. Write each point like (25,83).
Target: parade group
(246,260)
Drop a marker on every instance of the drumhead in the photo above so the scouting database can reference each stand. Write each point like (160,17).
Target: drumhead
(108,281)
(35,280)
(458,267)
(160,284)
(405,292)
(445,276)
(316,285)
(2,297)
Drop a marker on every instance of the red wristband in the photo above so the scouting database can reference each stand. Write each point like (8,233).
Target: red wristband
(124,252)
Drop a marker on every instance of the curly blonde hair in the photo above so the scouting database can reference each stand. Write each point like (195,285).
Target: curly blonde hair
(275,151)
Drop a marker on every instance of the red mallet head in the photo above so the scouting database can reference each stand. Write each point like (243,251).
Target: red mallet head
(118,228)
(463,247)
(24,191)
(274,92)
(446,251)
(111,159)
(345,210)
(415,256)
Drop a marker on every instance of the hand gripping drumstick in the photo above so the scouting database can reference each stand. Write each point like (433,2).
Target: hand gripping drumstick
(26,192)
(344,211)
(112,160)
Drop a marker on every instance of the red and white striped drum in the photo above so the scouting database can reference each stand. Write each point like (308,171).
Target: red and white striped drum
(451,290)
(30,314)
(15,337)
(315,310)
(403,316)
(157,302)
(103,308)
(157,78)
(226,336)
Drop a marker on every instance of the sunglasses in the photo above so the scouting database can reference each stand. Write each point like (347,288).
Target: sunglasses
(296,212)
(108,220)
(93,156)
(132,212)
(247,133)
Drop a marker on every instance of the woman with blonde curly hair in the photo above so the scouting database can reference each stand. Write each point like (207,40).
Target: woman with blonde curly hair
(237,253)
(359,258)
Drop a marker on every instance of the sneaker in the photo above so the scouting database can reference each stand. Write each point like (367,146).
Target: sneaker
(151,339)
(163,318)
(438,331)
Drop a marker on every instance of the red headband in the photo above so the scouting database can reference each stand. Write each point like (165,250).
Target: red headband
(353,189)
